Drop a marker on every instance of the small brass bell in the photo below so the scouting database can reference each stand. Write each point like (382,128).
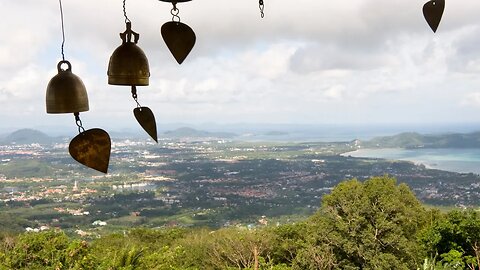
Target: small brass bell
(66,92)
(128,64)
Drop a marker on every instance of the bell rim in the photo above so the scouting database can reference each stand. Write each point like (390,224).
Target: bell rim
(65,112)
(127,82)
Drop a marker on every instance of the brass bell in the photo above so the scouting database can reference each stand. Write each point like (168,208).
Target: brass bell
(66,92)
(128,64)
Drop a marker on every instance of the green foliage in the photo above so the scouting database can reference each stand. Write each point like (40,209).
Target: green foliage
(453,240)
(376,224)
(156,237)
(287,241)
(452,260)
(141,248)
(27,168)
(370,225)
(48,250)
(166,258)
(127,259)
(237,248)
(315,257)
(12,223)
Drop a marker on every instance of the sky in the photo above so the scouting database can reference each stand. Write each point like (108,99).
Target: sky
(355,62)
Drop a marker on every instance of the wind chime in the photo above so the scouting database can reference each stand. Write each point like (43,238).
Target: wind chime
(178,36)
(66,93)
(129,66)
(433,12)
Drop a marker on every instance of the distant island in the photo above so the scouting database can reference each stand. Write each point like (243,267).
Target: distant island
(412,140)
(276,133)
(186,132)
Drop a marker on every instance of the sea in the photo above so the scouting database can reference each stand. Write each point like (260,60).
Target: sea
(465,160)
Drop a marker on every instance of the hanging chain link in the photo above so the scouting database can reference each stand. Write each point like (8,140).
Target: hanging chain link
(134,95)
(175,12)
(262,8)
(79,122)
(127,20)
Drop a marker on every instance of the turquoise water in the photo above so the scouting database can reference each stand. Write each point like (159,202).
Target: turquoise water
(455,160)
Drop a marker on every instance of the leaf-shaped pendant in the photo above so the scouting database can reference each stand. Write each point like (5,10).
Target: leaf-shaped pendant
(433,12)
(179,38)
(146,119)
(92,149)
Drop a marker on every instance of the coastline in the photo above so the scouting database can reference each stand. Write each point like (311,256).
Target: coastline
(446,159)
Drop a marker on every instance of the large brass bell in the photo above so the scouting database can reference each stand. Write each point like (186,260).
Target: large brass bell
(66,92)
(128,64)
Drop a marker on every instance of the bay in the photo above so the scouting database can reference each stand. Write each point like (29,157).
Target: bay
(448,159)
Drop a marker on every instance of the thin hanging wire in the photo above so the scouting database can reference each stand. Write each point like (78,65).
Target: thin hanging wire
(63,30)
(262,8)
(127,20)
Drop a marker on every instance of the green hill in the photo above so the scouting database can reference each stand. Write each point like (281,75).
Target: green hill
(27,136)
(25,168)
(416,140)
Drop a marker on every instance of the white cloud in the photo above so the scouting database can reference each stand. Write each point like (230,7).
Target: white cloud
(472,99)
(309,61)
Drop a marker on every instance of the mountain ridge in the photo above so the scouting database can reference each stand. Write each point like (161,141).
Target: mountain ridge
(27,136)
(416,140)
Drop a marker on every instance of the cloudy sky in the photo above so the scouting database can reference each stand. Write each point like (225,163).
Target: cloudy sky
(307,62)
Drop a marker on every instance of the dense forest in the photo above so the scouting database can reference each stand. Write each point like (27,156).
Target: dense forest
(376,224)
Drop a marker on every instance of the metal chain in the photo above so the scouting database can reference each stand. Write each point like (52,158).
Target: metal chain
(134,95)
(262,8)
(79,122)
(175,12)
(63,30)
(125,13)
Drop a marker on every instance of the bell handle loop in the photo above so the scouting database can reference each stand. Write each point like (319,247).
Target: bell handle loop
(127,35)
(59,66)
